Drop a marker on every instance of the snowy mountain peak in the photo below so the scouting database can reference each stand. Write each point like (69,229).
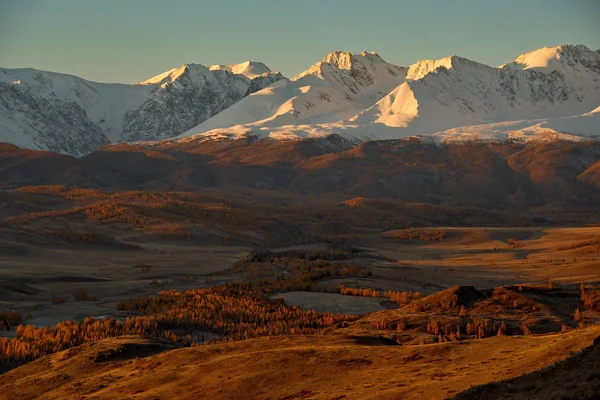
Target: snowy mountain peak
(365,53)
(557,58)
(353,73)
(157,79)
(250,69)
(167,76)
(423,68)
(340,59)
(344,60)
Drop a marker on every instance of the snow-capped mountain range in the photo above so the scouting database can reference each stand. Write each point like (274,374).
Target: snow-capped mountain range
(68,114)
(548,93)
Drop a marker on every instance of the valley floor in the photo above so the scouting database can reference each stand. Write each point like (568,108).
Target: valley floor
(33,281)
(384,309)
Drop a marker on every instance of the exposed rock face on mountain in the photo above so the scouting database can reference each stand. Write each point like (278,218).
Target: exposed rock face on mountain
(35,121)
(188,96)
(67,114)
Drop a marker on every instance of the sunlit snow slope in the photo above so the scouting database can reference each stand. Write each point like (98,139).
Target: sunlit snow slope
(550,92)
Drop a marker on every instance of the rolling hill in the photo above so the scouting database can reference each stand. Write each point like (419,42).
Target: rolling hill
(298,367)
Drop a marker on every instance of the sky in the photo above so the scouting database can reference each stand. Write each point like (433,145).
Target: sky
(133,40)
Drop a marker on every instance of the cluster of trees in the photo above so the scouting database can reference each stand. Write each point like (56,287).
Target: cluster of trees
(592,246)
(590,297)
(165,212)
(31,342)
(233,312)
(396,297)
(135,208)
(435,303)
(423,235)
(8,319)
(449,328)
(514,243)
(386,215)
(296,270)
(68,235)
(305,280)
(107,212)
(475,327)
(75,194)
(83,295)
(172,232)
(516,300)
(332,253)
(484,327)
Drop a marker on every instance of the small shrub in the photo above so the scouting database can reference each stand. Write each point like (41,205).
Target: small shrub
(83,295)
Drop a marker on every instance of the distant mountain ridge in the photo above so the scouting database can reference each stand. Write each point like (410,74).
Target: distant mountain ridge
(546,94)
(510,176)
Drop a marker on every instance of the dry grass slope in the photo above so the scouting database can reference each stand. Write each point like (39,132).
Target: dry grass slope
(576,378)
(293,367)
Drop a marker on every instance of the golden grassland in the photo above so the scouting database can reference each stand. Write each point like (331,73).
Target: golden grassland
(492,297)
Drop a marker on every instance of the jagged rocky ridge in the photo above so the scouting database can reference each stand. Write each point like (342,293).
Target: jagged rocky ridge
(189,96)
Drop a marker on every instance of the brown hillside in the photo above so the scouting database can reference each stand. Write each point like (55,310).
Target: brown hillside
(312,367)
(577,377)
(473,174)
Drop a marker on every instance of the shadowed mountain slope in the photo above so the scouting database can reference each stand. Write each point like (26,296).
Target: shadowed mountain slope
(488,175)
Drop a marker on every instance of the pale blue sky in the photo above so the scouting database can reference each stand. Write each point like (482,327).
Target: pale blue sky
(131,40)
